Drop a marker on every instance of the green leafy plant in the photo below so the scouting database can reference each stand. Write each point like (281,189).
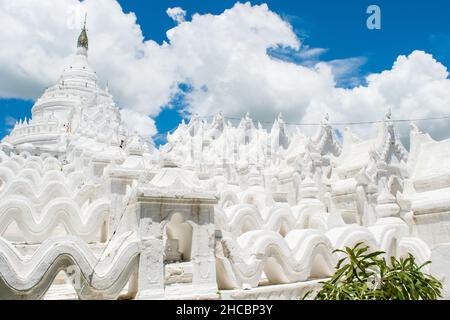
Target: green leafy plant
(364,275)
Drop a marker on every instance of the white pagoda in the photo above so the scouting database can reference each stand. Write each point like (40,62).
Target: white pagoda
(72,107)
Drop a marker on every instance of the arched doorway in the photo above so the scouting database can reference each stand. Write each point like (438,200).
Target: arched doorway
(178,239)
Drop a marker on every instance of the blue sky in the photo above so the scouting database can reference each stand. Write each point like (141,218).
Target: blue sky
(337,26)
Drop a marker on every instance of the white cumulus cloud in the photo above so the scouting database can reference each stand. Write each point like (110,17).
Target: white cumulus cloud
(137,122)
(177,14)
(416,87)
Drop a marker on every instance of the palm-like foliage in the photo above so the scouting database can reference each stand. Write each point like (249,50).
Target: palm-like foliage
(363,275)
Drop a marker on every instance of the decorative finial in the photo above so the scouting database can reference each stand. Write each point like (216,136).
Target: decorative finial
(83,41)
(388,114)
(280,117)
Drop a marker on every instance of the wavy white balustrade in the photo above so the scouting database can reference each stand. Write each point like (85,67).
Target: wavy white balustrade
(37,195)
(37,180)
(89,222)
(297,257)
(12,165)
(301,254)
(389,232)
(51,191)
(41,164)
(42,185)
(241,218)
(349,236)
(311,216)
(34,169)
(104,277)
(418,248)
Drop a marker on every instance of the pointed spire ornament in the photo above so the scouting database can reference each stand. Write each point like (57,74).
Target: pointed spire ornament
(83,40)
(388,114)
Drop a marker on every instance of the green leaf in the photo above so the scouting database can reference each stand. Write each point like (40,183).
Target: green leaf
(401,279)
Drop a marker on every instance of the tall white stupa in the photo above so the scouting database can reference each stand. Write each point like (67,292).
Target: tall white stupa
(68,108)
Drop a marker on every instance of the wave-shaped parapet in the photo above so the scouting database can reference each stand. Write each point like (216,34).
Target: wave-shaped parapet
(39,196)
(87,222)
(241,218)
(265,256)
(104,277)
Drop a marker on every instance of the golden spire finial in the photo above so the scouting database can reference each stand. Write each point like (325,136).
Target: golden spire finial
(83,41)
